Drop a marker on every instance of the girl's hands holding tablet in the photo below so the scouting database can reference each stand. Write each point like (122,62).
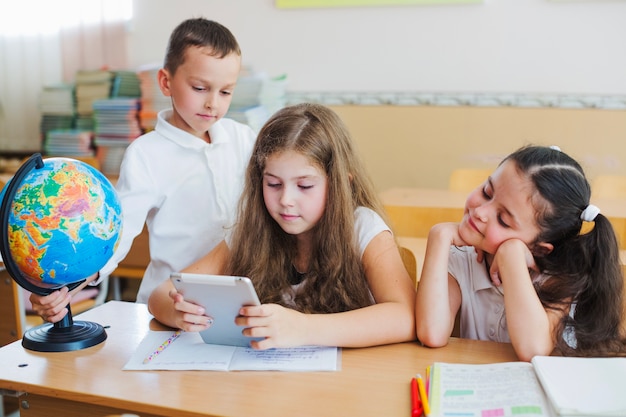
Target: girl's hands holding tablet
(280,327)
(190,317)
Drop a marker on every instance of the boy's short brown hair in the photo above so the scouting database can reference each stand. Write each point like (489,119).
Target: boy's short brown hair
(199,32)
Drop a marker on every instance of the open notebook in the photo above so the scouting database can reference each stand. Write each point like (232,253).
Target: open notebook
(583,386)
(549,386)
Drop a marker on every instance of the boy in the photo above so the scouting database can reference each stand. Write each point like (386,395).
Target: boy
(183,179)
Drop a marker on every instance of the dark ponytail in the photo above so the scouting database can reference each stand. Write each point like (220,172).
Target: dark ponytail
(584,267)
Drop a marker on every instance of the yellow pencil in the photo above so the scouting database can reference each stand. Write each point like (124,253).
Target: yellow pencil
(423,395)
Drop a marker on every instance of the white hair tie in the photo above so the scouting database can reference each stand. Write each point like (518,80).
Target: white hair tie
(589,214)
(556,148)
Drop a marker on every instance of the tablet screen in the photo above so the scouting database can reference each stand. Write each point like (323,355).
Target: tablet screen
(222,296)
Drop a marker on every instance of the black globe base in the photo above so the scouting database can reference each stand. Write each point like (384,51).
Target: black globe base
(51,338)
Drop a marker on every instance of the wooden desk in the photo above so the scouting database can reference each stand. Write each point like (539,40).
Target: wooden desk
(413,211)
(372,381)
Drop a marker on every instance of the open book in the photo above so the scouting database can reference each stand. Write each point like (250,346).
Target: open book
(167,350)
(549,386)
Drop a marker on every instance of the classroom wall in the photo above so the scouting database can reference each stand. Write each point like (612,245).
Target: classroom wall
(564,48)
(418,146)
(538,46)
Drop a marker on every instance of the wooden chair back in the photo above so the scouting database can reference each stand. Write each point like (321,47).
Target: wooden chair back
(410,263)
(134,265)
(11,310)
(467,179)
(409,257)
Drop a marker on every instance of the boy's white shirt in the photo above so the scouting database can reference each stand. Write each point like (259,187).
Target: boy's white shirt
(186,191)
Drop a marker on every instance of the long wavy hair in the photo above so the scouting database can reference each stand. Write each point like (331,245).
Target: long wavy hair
(261,250)
(584,266)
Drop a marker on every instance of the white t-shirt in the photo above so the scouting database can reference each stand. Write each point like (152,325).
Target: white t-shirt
(367,224)
(184,189)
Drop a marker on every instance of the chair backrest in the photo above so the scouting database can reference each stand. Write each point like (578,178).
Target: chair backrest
(11,309)
(467,179)
(410,263)
(609,186)
(139,254)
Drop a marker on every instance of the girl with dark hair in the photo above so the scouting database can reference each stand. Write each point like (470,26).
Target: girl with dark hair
(532,263)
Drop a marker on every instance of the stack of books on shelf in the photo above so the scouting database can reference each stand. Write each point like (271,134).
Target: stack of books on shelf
(152,100)
(57,100)
(125,84)
(91,85)
(116,126)
(56,104)
(256,97)
(69,143)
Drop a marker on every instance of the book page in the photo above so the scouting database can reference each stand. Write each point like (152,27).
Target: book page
(163,350)
(304,358)
(179,350)
(584,386)
(488,390)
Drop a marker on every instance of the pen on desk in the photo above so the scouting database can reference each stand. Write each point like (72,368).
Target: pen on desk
(162,346)
(423,395)
(416,403)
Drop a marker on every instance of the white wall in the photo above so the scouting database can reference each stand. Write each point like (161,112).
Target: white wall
(516,46)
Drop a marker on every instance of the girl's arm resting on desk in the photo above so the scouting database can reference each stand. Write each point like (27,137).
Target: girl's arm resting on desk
(390,320)
(531,326)
(170,308)
(438,294)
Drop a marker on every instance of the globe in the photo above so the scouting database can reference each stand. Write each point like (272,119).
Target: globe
(60,222)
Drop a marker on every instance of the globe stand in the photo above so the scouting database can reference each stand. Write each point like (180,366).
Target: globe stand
(62,336)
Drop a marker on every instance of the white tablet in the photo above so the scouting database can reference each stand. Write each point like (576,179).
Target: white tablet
(222,296)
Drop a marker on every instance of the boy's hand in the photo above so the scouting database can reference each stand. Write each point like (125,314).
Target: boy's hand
(51,307)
